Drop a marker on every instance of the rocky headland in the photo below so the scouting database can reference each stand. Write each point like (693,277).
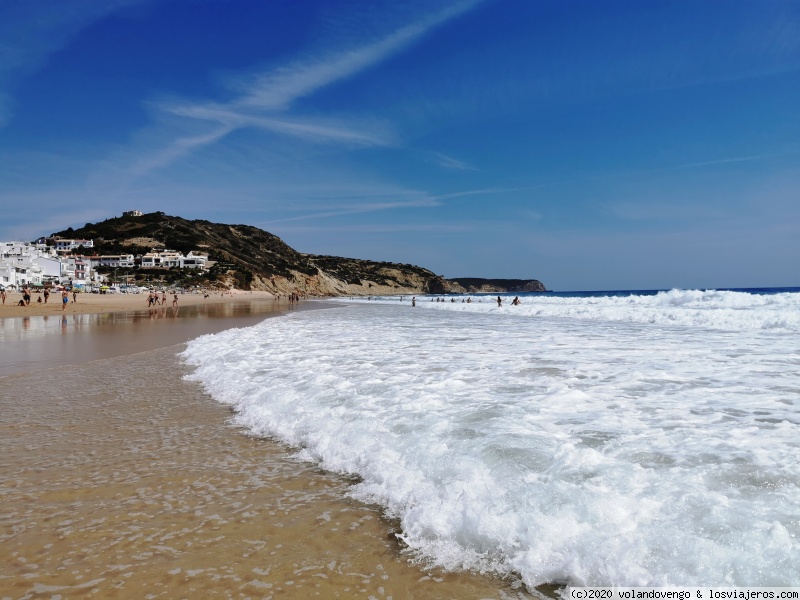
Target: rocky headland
(247,257)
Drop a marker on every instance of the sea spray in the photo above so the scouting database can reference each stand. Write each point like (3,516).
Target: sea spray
(593,451)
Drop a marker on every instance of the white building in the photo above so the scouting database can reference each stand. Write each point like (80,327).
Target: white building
(170,258)
(116,261)
(193,261)
(22,264)
(19,271)
(63,245)
(80,270)
(163,259)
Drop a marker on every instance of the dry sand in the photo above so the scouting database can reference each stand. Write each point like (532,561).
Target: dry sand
(88,303)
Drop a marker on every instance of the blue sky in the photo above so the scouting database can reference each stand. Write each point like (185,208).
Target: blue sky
(589,144)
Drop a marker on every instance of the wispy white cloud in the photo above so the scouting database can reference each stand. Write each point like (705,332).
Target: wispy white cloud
(317,131)
(383,228)
(178,148)
(480,192)
(723,161)
(277,89)
(532,215)
(448,162)
(368,207)
(664,212)
(417,199)
(264,98)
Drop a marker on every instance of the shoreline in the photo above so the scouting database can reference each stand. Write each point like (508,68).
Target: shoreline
(122,478)
(89,303)
(36,342)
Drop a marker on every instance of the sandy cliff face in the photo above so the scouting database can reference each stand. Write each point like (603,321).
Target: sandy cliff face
(391,282)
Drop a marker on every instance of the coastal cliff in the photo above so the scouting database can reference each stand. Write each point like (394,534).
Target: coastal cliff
(250,258)
(477,285)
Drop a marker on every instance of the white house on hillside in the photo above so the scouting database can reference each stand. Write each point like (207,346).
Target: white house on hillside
(193,261)
(63,245)
(116,261)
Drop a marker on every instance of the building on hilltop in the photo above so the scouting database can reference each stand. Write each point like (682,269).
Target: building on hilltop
(132,213)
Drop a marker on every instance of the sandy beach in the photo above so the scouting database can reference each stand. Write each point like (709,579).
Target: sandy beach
(88,303)
(120,479)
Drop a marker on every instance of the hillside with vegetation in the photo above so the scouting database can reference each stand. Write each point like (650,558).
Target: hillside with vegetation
(247,257)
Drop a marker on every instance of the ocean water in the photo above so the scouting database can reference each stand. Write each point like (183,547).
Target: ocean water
(595,439)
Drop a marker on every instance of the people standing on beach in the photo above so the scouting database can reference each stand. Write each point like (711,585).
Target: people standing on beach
(3,296)
(164,298)
(46,294)
(175,300)
(64,299)
(75,296)
(26,295)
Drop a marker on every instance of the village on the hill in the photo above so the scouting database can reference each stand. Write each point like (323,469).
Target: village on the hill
(49,261)
(72,263)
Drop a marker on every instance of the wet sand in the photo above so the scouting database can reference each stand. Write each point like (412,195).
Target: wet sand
(39,342)
(88,303)
(118,479)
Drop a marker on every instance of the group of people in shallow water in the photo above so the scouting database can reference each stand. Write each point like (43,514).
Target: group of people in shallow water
(156,299)
(515,302)
(26,297)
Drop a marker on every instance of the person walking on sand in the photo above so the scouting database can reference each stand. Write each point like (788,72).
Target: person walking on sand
(46,294)
(174,300)
(64,299)
(26,295)
(3,296)
(74,296)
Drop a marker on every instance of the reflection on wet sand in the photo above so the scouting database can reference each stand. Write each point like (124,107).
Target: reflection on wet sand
(41,342)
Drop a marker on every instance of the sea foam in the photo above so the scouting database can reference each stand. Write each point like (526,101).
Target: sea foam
(590,450)
(731,310)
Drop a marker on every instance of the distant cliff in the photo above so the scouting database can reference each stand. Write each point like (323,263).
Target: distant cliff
(476,284)
(250,258)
